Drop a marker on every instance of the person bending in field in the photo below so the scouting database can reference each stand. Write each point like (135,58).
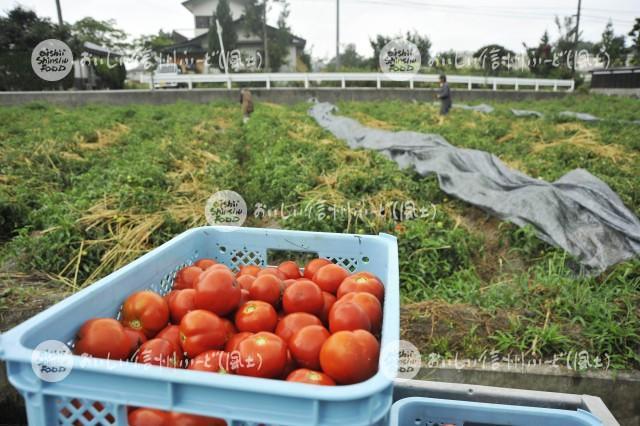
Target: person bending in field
(247,104)
(444,94)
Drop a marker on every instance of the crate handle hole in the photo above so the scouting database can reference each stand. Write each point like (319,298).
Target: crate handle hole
(365,259)
(223,249)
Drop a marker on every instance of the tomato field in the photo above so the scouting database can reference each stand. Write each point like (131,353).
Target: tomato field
(83,191)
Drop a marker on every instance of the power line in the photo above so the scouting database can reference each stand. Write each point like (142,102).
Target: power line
(493,11)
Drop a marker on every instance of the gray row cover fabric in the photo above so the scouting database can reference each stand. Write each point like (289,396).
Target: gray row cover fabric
(578,212)
(487,109)
(579,115)
(526,113)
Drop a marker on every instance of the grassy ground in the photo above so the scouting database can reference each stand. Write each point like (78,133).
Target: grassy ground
(84,191)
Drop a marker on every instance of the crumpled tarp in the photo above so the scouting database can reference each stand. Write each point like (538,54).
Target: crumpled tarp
(577,212)
(526,113)
(487,109)
(579,115)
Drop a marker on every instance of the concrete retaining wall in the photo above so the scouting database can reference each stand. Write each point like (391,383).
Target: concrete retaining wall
(276,95)
(620,391)
(632,93)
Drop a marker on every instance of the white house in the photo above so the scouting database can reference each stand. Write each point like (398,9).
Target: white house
(248,46)
(202,10)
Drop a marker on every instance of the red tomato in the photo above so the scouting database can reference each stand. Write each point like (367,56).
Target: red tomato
(148,417)
(304,375)
(262,355)
(272,271)
(170,333)
(229,327)
(294,322)
(267,288)
(303,296)
(288,283)
(329,300)
(103,338)
(180,303)
(329,277)
(348,316)
(313,265)
(219,266)
(245,296)
(289,366)
(245,281)
(205,263)
(187,277)
(305,345)
(136,338)
(362,283)
(255,316)
(290,269)
(232,343)
(350,356)
(201,331)
(159,352)
(369,304)
(217,291)
(169,296)
(146,311)
(214,361)
(182,419)
(249,270)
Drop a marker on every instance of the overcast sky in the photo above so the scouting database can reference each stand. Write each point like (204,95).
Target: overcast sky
(461,25)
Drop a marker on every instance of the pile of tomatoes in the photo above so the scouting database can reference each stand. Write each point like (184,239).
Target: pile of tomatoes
(317,325)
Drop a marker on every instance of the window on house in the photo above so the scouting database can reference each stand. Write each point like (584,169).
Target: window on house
(203,21)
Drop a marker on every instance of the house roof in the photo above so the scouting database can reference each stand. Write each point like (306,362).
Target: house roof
(98,50)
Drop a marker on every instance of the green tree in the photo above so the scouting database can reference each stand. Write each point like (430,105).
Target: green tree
(275,41)
(20,32)
(153,42)
(494,58)
(350,58)
(102,33)
(279,40)
(254,24)
(377,44)
(541,57)
(610,49)
(422,43)
(635,39)
(229,36)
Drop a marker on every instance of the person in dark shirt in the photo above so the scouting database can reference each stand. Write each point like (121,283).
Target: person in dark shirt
(247,104)
(444,94)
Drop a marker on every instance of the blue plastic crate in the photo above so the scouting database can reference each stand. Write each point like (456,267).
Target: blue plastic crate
(445,412)
(239,400)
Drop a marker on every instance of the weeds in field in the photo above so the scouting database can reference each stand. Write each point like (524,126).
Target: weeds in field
(84,191)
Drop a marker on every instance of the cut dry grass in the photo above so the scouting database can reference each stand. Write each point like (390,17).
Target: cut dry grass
(586,138)
(103,137)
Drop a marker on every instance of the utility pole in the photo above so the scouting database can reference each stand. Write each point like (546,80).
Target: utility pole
(337,35)
(264,37)
(575,41)
(59,14)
